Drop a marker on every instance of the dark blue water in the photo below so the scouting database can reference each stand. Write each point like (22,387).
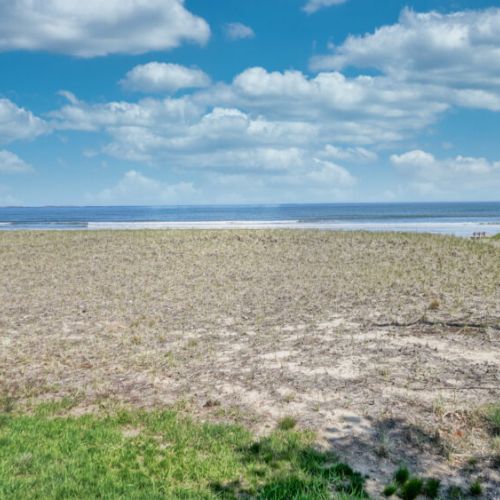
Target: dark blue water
(451,218)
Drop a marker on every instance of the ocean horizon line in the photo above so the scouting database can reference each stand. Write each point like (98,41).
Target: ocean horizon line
(257,204)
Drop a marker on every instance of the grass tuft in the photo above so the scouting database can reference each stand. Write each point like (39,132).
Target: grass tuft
(287,423)
(412,488)
(7,404)
(493,418)
(434,305)
(476,489)
(390,490)
(455,492)
(431,488)
(409,487)
(402,475)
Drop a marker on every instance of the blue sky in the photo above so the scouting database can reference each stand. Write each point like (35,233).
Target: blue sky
(226,101)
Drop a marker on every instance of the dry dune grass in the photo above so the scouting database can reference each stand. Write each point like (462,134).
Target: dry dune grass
(384,343)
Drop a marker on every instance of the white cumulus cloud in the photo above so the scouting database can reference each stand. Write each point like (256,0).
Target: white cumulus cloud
(163,77)
(12,164)
(453,57)
(238,31)
(351,154)
(314,5)
(461,48)
(96,27)
(18,123)
(423,164)
(447,175)
(380,98)
(326,172)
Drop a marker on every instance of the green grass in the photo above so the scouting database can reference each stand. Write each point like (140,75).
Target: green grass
(402,475)
(455,492)
(476,489)
(412,488)
(390,490)
(409,487)
(161,455)
(431,487)
(493,418)
(287,423)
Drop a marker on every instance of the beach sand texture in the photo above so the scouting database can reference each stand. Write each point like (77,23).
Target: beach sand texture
(387,345)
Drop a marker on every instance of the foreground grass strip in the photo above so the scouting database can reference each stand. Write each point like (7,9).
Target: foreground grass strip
(161,454)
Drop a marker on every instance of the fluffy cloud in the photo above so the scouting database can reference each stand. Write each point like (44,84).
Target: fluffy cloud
(97,28)
(314,5)
(162,77)
(189,134)
(458,49)
(146,113)
(152,127)
(344,106)
(329,91)
(238,31)
(18,123)
(292,166)
(259,160)
(454,58)
(283,124)
(136,188)
(352,154)
(330,173)
(12,164)
(432,175)
(423,164)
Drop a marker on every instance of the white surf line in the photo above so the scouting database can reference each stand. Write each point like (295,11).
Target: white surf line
(452,228)
(193,225)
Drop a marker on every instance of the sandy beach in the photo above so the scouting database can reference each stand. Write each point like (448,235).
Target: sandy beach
(386,345)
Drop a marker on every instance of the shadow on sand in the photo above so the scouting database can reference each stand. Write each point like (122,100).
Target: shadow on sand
(317,474)
(375,448)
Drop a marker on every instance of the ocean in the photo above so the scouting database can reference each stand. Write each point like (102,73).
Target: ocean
(460,219)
